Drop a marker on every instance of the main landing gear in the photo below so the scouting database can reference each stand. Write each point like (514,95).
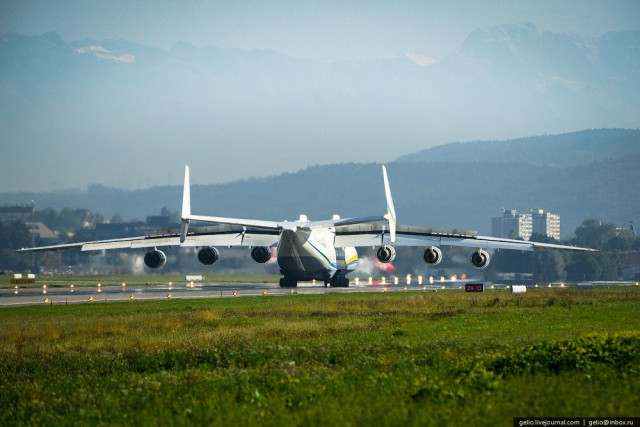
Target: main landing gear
(286,282)
(339,281)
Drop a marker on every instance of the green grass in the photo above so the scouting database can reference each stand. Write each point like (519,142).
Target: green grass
(338,359)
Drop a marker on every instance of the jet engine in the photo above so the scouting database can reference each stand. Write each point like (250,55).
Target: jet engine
(208,255)
(155,259)
(432,255)
(480,259)
(386,254)
(261,254)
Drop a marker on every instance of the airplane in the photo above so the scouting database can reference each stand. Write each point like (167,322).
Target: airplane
(309,250)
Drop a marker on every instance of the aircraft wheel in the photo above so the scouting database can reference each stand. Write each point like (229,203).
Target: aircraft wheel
(288,283)
(340,282)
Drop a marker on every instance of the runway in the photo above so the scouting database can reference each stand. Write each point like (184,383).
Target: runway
(77,294)
(66,294)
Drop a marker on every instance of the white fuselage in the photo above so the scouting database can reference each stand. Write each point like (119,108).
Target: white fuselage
(311,254)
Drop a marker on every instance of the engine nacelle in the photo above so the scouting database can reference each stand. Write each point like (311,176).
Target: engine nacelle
(480,259)
(386,254)
(261,254)
(208,255)
(155,259)
(432,255)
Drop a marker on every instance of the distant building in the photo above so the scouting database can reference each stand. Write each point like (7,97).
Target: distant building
(545,223)
(512,225)
(21,213)
(41,231)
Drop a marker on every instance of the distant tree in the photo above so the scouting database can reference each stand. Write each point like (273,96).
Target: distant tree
(48,216)
(70,220)
(98,217)
(594,266)
(116,219)
(14,236)
(594,234)
(603,265)
(548,266)
(509,261)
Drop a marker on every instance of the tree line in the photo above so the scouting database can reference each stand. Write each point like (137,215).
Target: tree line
(552,265)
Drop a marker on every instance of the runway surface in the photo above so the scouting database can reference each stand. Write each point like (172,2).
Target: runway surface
(66,294)
(75,294)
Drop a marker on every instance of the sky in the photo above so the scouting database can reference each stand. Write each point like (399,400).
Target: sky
(319,30)
(323,31)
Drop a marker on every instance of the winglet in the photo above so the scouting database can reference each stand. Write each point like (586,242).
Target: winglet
(186,206)
(391,212)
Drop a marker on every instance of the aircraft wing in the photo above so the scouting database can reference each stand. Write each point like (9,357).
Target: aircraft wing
(222,235)
(376,235)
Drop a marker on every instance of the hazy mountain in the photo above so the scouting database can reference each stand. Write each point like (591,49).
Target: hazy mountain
(123,114)
(443,193)
(577,148)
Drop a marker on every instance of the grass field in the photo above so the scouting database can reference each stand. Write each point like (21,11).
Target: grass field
(445,358)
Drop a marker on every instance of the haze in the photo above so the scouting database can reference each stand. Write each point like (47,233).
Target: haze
(338,82)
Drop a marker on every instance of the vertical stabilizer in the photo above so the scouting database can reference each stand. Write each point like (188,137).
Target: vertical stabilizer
(186,206)
(391,211)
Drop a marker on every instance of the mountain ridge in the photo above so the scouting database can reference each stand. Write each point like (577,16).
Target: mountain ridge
(128,105)
(574,148)
(440,194)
